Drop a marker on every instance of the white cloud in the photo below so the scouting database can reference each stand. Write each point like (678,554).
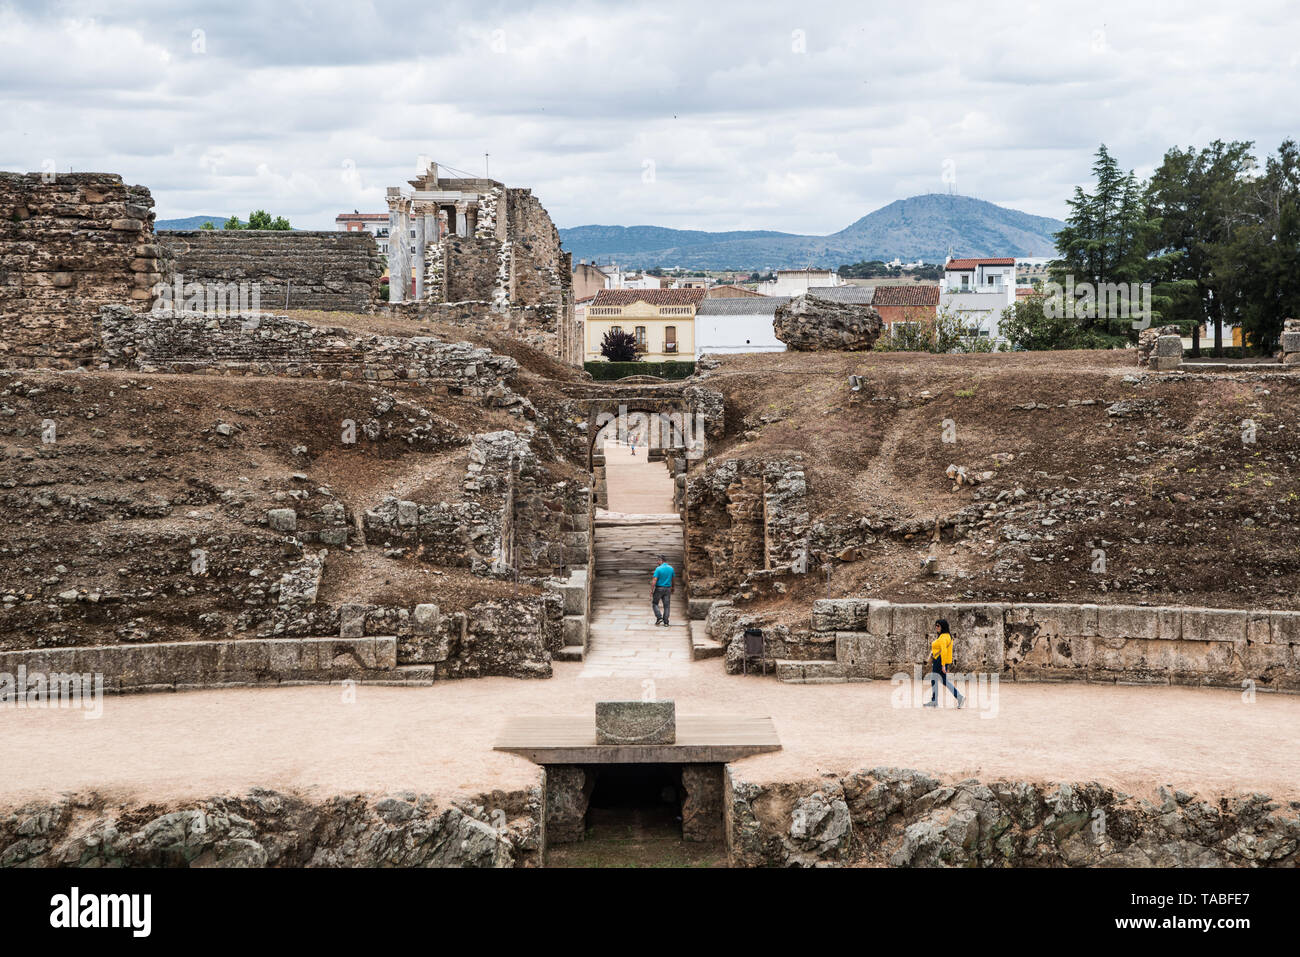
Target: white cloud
(798,117)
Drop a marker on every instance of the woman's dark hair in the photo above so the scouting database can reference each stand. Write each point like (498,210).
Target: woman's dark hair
(943,624)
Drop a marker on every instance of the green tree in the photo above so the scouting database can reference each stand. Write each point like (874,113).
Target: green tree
(1257,266)
(1196,196)
(207,224)
(619,346)
(258,219)
(1108,238)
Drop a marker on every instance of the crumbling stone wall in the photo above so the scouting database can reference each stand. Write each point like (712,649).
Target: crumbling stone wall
(69,244)
(295,269)
(1291,341)
(509,275)
(905,818)
(270,829)
(514,518)
(265,344)
(745,518)
(1258,649)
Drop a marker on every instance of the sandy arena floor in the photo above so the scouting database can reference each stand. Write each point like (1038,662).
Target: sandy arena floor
(439,739)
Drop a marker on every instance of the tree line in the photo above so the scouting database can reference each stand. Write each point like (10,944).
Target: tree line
(1214,232)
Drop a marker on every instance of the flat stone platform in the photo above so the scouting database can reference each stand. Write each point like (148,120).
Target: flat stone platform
(571,739)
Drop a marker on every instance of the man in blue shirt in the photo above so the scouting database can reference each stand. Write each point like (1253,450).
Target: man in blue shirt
(663,591)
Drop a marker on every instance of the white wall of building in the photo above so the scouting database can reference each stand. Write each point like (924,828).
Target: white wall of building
(733,334)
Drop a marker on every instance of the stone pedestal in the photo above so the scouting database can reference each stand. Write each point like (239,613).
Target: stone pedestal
(568,791)
(636,722)
(702,802)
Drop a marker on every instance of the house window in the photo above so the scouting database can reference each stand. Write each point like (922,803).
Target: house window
(640,339)
(615,329)
(670,338)
(965,280)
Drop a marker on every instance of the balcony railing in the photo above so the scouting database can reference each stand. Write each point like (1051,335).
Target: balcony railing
(670,347)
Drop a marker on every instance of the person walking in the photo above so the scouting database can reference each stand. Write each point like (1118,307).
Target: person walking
(662,593)
(940,659)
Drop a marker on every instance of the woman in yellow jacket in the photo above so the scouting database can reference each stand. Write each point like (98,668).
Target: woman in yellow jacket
(940,659)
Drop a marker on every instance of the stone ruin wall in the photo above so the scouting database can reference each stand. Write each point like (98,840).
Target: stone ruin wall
(892,817)
(861,638)
(746,521)
(511,275)
(69,244)
(266,344)
(264,828)
(295,269)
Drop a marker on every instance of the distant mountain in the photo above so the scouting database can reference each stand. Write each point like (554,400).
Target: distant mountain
(923,227)
(191,222)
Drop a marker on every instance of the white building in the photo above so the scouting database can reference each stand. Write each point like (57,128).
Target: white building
(796,282)
(976,291)
(731,325)
(374,223)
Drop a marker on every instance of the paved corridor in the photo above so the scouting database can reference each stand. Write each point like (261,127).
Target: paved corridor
(639,527)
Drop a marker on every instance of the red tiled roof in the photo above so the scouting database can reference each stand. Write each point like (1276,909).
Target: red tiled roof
(1023,292)
(923,295)
(962,265)
(651,297)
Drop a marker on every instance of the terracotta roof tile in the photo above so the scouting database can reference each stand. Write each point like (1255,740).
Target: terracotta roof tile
(924,295)
(651,297)
(964,264)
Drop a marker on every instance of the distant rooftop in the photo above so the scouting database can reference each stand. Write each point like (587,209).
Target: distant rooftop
(906,295)
(858,294)
(742,306)
(961,265)
(651,297)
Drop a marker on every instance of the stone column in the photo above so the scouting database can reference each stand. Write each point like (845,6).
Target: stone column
(461,218)
(399,245)
(420,241)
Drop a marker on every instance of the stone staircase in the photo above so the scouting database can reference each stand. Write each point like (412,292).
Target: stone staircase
(624,640)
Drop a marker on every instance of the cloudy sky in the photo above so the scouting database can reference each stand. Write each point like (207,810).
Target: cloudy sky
(710,115)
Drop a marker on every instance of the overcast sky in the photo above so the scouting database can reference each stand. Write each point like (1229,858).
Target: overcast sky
(711,114)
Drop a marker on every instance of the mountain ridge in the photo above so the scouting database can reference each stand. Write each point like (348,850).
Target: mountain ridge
(919,227)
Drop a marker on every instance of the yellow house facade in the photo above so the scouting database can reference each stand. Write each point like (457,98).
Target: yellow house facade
(662,320)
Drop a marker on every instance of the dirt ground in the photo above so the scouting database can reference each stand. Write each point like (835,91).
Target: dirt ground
(1188,483)
(439,739)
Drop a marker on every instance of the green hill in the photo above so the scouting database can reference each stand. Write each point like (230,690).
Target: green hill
(922,227)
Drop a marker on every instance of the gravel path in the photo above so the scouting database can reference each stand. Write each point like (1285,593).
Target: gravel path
(439,739)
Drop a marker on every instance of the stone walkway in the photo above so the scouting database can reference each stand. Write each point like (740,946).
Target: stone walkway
(640,527)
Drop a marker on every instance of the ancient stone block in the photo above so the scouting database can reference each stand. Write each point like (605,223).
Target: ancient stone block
(425,619)
(352,620)
(282,519)
(702,802)
(636,722)
(568,792)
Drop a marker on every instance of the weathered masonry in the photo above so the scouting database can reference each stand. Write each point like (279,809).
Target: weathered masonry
(475,240)
(1127,644)
(290,269)
(71,242)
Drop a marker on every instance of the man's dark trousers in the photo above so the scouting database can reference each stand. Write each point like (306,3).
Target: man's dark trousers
(662,595)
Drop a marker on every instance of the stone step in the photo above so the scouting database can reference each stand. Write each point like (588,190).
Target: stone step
(568,653)
(414,674)
(813,672)
(703,648)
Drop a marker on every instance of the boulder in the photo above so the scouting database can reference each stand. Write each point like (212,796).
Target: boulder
(810,324)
